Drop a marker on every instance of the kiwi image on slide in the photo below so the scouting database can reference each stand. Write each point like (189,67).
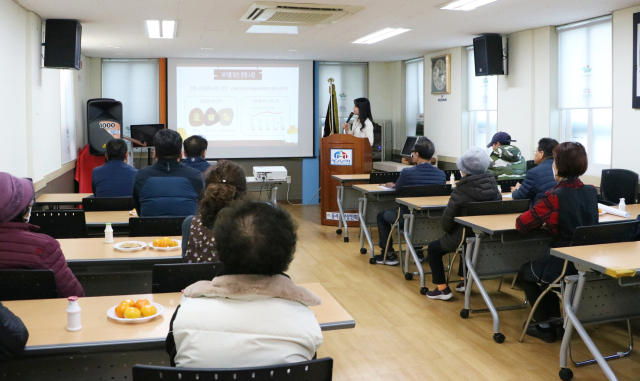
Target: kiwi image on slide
(226,117)
(211,117)
(196,117)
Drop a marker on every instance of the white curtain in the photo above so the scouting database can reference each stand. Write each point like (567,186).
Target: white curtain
(67,117)
(483,91)
(414,70)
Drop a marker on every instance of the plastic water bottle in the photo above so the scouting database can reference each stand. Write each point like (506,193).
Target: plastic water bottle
(74,322)
(108,233)
(622,206)
(452,180)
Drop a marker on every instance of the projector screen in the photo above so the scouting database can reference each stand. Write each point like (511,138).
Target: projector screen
(244,108)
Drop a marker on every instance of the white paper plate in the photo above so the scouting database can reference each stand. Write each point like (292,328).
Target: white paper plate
(603,213)
(112,315)
(167,248)
(117,246)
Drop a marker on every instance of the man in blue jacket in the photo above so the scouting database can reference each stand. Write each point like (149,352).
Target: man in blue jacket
(538,180)
(167,188)
(115,177)
(422,174)
(195,149)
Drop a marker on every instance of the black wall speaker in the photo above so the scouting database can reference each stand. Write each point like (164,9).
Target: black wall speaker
(104,122)
(488,55)
(62,44)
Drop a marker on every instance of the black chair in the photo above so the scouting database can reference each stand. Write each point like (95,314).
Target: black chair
(27,284)
(456,174)
(107,204)
(425,190)
(60,223)
(314,370)
(531,164)
(505,185)
(497,207)
(155,226)
(176,277)
(616,184)
(383,177)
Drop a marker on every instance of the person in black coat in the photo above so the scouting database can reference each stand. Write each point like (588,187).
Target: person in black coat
(476,186)
(13,334)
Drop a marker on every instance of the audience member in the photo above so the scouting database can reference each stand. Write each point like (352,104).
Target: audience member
(251,313)
(540,179)
(223,184)
(195,150)
(20,246)
(476,185)
(507,162)
(13,334)
(422,174)
(115,177)
(167,188)
(569,205)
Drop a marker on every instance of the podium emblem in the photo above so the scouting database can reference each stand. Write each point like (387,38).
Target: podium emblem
(341,157)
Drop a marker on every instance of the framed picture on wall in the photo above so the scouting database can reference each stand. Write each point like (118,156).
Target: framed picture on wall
(441,74)
(635,99)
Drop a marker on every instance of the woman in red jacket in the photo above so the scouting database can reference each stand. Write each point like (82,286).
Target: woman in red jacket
(20,246)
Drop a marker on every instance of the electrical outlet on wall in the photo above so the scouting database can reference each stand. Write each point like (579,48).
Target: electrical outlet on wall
(288,179)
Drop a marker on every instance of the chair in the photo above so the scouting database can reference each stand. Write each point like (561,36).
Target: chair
(456,174)
(155,226)
(107,204)
(497,207)
(60,223)
(505,185)
(531,164)
(425,190)
(176,277)
(616,184)
(314,370)
(27,284)
(589,235)
(383,177)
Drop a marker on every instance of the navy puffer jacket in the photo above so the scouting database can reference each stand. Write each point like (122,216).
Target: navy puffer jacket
(421,174)
(537,183)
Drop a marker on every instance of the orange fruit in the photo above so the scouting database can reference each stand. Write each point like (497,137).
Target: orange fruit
(130,302)
(132,313)
(156,242)
(173,243)
(140,303)
(120,309)
(148,310)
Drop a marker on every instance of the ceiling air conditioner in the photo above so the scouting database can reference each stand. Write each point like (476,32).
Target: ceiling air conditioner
(296,13)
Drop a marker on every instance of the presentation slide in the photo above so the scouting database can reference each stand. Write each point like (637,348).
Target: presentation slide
(245,109)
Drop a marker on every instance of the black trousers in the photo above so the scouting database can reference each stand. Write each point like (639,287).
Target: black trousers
(549,306)
(435,254)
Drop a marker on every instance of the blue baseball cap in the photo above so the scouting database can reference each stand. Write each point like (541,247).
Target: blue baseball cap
(500,137)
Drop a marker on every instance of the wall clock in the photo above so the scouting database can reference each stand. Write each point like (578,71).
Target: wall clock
(441,74)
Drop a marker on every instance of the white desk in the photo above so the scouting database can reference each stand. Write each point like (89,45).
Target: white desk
(347,199)
(389,166)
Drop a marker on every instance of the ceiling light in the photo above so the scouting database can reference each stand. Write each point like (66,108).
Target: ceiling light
(465,5)
(114,47)
(277,29)
(206,48)
(156,29)
(380,35)
(292,50)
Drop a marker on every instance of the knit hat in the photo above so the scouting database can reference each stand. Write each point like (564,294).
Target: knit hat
(15,196)
(474,162)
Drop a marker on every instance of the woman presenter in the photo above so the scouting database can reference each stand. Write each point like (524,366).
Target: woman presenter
(363,126)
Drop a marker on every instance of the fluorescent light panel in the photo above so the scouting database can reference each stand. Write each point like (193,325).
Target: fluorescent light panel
(380,35)
(465,5)
(164,29)
(273,29)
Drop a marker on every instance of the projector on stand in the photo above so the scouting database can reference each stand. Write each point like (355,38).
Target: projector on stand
(270,173)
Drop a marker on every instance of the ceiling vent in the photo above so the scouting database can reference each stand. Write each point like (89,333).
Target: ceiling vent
(296,13)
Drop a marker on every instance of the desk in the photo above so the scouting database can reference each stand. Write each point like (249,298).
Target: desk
(271,186)
(374,199)
(389,166)
(120,217)
(347,199)
(54,200)
(620,294)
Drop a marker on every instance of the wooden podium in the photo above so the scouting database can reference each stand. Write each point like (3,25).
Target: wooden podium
(340,154)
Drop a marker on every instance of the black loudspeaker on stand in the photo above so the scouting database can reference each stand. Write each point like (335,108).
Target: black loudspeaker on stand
(62,44)
(490,55)
(104,122)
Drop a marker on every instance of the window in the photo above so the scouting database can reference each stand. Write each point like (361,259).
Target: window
(483,106)
(585,88)
(414,97)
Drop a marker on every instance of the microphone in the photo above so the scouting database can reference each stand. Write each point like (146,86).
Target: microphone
(349,118)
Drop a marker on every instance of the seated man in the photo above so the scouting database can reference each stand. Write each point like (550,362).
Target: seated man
(13,334)
(538,180)
(195,149)
(115,177)
(507,162)
(422,174)
(251,313)
(167,188)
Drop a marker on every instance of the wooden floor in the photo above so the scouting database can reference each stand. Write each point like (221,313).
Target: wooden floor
(402,335)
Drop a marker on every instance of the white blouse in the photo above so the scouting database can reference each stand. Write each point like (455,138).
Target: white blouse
(366,132)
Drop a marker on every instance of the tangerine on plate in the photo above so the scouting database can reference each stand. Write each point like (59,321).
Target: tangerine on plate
(148,310)
(141,303)
(173,243)
(132,313)
(156,242)
(120,309)
(130,302)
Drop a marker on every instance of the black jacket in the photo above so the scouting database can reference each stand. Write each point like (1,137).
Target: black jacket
(13,334)
(473,188)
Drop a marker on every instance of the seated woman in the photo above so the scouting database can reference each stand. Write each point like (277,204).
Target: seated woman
(223,184)
(20,246)
(251,313)
(569,205)
(476,185)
